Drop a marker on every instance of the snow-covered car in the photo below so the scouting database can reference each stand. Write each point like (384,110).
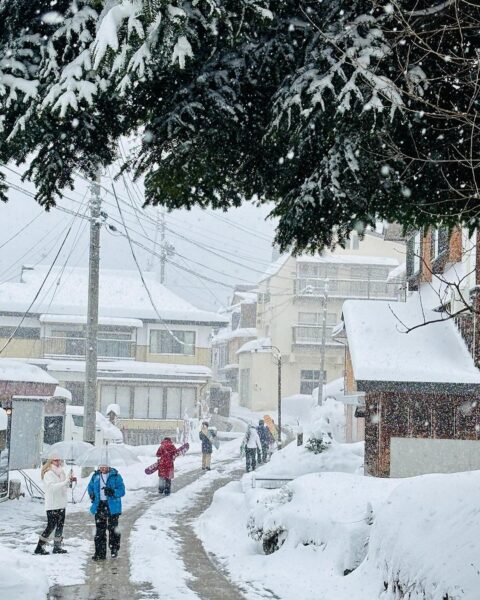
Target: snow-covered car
(105,431)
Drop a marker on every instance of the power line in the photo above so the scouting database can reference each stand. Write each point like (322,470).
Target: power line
(15,235)
(15,331)
(143,279)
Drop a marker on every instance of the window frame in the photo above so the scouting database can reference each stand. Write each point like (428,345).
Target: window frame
(180,333)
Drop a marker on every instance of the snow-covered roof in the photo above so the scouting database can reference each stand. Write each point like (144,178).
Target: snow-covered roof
(125,368)
(82,320)
(247,297)
(332,257)
(256,346)
(61,392)
(122,294)
(398,272)
(274,267)
(13,370)
(381,350)
(228,334)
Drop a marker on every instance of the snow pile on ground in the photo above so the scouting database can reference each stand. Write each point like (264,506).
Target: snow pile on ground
(425,540)
(294,460)
(20,577)
(349,536)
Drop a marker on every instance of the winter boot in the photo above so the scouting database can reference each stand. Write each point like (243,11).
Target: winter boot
(40,549)
(57,546)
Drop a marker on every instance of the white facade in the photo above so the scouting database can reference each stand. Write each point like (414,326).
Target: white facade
(290,312)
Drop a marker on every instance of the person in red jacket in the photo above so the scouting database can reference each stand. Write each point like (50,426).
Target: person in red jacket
(167,453)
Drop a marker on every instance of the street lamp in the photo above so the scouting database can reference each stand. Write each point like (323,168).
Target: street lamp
(279,390)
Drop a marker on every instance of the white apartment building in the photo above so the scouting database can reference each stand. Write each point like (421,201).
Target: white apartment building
(291,303)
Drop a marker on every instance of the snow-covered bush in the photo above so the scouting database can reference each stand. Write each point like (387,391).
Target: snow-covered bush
(317,445)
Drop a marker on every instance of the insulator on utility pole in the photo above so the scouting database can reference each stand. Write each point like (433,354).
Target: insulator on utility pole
(90,401)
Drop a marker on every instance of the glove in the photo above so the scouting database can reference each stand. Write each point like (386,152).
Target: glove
(109,492)
(92,497)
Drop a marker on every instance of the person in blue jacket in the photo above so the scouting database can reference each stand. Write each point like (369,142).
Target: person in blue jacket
(106,488)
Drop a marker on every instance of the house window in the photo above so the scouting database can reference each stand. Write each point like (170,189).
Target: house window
(172,342)
(116,394)
(160,402)
(354,242)
(316,318)
(309,381)
(417,252)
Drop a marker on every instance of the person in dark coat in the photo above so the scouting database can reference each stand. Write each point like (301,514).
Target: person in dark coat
(167,453)
(106,488)
(207,446)
(266,438)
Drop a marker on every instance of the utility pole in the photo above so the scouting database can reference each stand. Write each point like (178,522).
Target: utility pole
(90,403)
(279,400)
(321,379)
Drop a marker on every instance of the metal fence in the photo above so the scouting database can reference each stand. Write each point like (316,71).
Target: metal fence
(349,288)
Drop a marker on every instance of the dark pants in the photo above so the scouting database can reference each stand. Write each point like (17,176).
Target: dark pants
(164,486)
(55,520)
(250,458)
(103,521)
(264,453)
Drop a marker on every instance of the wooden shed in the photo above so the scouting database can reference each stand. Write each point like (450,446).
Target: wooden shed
(422,389)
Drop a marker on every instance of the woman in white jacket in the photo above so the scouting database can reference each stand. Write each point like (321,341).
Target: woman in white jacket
(251,443)
(55,484)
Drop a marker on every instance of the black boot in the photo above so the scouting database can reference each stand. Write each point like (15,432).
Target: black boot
(57,546)
(40,549)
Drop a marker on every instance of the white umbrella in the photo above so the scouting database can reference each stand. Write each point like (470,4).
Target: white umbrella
(69,450)
(115,455)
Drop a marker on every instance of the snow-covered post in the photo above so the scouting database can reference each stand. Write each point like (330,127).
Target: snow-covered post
(90,401)
(322,378)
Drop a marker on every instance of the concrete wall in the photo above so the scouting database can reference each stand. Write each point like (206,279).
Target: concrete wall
(417,456)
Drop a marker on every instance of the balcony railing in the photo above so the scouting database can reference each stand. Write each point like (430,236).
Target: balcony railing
(311,335)
(54,347)
(349,288)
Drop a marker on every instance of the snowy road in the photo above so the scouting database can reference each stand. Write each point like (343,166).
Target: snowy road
(191,574)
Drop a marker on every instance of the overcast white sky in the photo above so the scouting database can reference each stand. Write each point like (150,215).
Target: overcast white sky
(241,240)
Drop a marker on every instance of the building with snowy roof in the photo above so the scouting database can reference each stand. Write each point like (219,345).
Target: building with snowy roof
(416,365)
(242,315)
(293,296)
(154,357)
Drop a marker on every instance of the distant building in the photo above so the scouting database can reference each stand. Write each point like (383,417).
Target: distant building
(290,311)
(242,314)
(155,366)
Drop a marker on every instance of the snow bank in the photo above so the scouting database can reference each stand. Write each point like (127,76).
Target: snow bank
(426,539)
(294,461)
(20,577)
(347,536)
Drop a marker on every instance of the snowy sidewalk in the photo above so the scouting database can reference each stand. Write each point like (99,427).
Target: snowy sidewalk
(130,577)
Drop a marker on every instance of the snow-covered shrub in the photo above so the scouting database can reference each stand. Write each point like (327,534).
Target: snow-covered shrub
(317,445)
(272,535)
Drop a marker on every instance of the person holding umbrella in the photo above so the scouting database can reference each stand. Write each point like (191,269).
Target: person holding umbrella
(55,483)
(106,488)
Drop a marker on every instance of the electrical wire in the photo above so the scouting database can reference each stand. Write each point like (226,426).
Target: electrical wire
(144,283)
(9,340)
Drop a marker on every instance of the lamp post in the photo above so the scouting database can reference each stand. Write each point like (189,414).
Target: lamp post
(279,391)
(322,378)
